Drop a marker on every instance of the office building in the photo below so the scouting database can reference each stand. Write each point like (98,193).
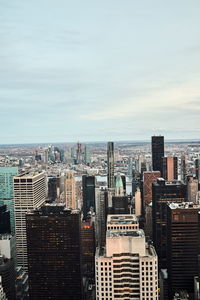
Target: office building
(192,189)
(53,188)
(110,163)
(70,193)
(157,147)
(4,220)
(88,188)
(197,169)
(148,179)
(101,216)
(184,167)
(2,294)
(127,267)
(88,246)
(163,192)
(170,168)
(54,253)
(29,193)
(7,191)
(7,274)
(182,246)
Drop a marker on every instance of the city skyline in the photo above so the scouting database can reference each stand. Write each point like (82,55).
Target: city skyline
(99,71)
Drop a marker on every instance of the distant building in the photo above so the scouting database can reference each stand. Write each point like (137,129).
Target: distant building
(101,215)
(53,188)
(30,192)
(4,220)
(70,192)
(110,163)
(157,147)
(88,188)
(54,253)
(148,179)
(170,168)
(192,189)
(7,191)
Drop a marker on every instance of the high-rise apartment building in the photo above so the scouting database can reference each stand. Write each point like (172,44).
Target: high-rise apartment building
(182,246)
(88,185)
(170,168)
(7,191)
(54,253)
(162,193)
(157,147)
(110,163)
(127,267)
(29,193)
(70,190)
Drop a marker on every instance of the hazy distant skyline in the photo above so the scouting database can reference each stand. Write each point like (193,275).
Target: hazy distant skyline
(99,70)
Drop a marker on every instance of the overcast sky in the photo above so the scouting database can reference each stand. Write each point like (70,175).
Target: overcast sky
(99,70)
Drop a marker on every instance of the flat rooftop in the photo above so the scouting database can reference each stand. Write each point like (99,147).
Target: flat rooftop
(133,233)
(184,205)
(121,219)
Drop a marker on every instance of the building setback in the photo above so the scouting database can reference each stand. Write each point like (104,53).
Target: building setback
(54,253)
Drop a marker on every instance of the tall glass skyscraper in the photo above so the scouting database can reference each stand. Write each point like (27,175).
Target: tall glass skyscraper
(157,146)
(110,162)
(6,191)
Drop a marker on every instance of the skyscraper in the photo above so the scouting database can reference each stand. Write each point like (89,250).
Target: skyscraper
(4,220)
(70,195)
(157,146)
(7,191)
(110,163)
(183,246)
(54,253)
(170,168)
(164,192)
(127,267)
(29,193)
(192,189)
(148,179)
(88,184)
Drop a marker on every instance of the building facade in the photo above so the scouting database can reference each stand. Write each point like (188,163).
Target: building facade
(29,193)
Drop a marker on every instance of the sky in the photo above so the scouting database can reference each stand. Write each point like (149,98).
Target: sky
(99,70)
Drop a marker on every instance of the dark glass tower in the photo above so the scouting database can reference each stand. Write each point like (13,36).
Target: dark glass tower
(54,253)
(4,220)
(164,192)
(157,147)
(88,185)
(183,246)
(110,162)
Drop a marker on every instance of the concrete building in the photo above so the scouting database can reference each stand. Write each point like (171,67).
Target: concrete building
(29,193)
(70,190)
(127,267)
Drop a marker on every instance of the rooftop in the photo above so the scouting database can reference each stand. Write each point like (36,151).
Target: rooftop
(184,205)
(122,219)
(134,233)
